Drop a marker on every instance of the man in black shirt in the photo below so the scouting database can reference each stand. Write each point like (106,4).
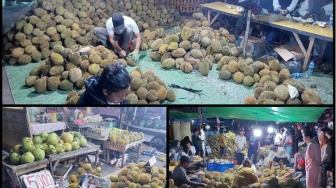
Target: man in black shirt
(254,147)
(180,174)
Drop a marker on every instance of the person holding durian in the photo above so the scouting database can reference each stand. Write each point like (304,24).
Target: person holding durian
(118,35)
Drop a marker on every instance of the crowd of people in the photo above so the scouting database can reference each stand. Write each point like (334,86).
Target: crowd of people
(308,150)
(189,147)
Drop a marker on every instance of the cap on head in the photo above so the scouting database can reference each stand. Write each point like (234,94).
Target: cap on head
(118,23)
(301,163)
(274,147)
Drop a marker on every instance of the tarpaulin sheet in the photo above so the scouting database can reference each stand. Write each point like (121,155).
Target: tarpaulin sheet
(279,114)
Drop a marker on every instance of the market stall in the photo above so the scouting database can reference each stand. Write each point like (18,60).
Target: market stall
(109,145)
(61,143)
(256,125)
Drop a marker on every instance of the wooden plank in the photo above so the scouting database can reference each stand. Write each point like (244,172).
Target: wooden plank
(20,128)
(14,116)
(273,20)
(214,19)
(307,56)
(10,139)
(298,40)
(25,168)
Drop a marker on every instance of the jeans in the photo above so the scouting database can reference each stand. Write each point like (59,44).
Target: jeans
(255,155)
(126,36)
(223,151)
(302,179)
(289,150)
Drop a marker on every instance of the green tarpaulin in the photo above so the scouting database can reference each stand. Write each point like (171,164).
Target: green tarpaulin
(278,114)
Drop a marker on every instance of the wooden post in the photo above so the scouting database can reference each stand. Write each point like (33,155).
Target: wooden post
(247,31)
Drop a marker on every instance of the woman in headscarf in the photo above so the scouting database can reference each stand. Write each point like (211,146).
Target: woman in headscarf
(176,150)
(185,141)
(325,159)
(312,160)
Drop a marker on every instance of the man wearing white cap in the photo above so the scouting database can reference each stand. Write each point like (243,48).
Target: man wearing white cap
(119,32)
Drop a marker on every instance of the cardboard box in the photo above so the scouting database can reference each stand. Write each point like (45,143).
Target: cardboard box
(255,46)
(288,52)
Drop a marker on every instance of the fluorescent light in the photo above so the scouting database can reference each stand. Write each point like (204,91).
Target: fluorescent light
(257,132)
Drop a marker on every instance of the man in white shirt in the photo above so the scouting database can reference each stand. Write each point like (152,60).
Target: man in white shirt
(277,137)
(284,7)
(240,143)
(277,154)
(203,138)
(119,32)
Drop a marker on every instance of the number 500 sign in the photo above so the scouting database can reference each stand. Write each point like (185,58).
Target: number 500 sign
(42,179)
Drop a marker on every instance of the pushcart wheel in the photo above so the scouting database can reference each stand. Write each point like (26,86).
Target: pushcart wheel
(158,143)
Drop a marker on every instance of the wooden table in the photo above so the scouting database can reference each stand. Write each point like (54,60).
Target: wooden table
(15,171)
(108,145)
(79,127)
(91,148)
(36,127)
(279,22)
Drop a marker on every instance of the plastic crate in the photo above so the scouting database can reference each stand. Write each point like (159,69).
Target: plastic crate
(174,2)
(187,8)
(211,166)
(223,167)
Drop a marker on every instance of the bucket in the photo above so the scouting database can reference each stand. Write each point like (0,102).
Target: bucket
(53,116)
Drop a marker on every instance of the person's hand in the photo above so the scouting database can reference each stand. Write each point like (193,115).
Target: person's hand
(135,55)
(284,11)
(122,53)
(203,184)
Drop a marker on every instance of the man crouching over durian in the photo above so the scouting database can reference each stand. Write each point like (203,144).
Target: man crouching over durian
(245,175)
(118,35)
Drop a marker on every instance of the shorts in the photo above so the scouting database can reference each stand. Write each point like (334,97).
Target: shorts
(284,160)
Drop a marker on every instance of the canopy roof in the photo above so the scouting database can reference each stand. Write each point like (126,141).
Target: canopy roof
(277,114)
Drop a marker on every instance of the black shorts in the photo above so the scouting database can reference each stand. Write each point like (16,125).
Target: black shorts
(284,160)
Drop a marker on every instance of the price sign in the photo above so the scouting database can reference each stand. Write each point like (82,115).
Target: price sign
(91,181)
(114,146)
(42,179)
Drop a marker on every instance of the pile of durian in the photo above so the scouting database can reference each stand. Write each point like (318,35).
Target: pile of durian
(136,176)
(66,68)
(268,179)
(84,168)
(146,88)
(67,23)
(126,137)
(198,46)
(268,92)
(215,149)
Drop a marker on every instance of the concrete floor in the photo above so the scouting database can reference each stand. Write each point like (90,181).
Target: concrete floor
(9,16)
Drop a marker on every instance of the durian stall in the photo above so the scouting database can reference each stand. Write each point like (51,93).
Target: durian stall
(218,172)
(39,144)
(183,60)
(63,155)
(152,123)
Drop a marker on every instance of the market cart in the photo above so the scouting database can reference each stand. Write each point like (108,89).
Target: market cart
(108,145)
(15,171)
(155,137)
(91,148)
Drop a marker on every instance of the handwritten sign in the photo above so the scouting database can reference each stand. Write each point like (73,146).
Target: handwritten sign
(114,146)
(42,179)
(91,181)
